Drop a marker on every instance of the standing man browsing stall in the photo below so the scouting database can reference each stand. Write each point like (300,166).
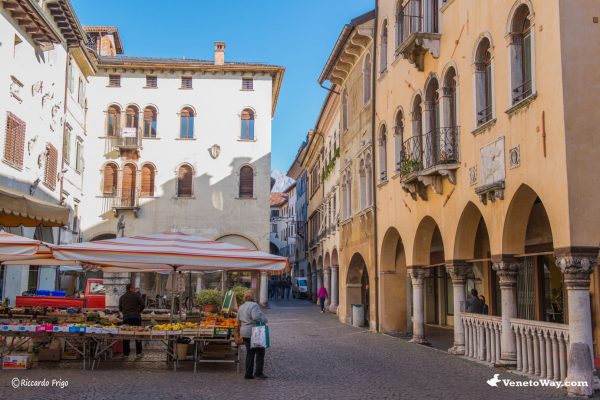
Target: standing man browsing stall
(131,306)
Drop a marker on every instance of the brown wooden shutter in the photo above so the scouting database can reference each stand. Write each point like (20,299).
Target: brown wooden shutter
(184,181)
(128,186)
(51,166)
(110,180)
(147,180)
(14,143)
(246,182)
(114,80)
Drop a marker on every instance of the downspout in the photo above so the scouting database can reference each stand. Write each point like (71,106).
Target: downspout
(373,169)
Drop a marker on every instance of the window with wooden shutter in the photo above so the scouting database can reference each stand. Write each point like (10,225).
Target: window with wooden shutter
(14,142)
(150,122)
(128,186)
(113,121)
(247,84)
(51,166)
(184,181)
(151,81)
(147,180)
(66,150)
(186,82)
(114,80)
(246,182)
(110,180)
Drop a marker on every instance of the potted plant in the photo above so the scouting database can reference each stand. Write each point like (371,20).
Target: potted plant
(209,299)
(239,292)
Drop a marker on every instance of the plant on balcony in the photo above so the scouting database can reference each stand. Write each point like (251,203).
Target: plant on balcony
(409,166)
(330,165)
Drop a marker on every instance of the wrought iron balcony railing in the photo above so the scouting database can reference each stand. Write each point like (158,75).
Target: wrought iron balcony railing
(440,147)
(522,92)
(127,138)
(484,115)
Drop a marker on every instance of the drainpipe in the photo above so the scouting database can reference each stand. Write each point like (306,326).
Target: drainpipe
(373,169)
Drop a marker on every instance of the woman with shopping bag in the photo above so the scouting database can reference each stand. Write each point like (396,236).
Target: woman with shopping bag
(251,317)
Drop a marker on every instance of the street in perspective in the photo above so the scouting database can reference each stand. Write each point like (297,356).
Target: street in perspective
(367,199)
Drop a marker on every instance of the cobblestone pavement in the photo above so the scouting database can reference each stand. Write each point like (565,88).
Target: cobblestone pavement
(312,356)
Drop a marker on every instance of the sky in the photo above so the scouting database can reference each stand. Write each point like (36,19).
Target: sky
(298,35)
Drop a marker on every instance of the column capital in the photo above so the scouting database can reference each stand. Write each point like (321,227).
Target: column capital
(459,270)
(418,274)
(506,270)
(576,269)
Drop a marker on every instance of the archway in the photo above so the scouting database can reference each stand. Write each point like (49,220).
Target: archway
(247,279)
(238,240)
(357,287)
(394,303)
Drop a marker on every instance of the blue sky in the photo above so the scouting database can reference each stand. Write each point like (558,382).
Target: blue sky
(298,35)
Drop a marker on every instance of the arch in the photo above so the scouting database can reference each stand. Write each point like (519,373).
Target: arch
(150,121)
(393,283)
(513,13)
(320,263)
(185,175)
(481,38)
(110,179)
(247,118)
(237,239)
(357,286)
(246,188)
(422,241)
(327,262)
(334,258)
(518,218)
(450,65)
(103,236)
(128,185)
(187,116)
(431,79)
(466,232)
(148,172)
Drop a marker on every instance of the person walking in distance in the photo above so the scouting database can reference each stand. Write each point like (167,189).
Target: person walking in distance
(250,315)
(322,295)
(131,306)
(288,287)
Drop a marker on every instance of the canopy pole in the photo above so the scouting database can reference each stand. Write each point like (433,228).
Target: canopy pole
(173,276)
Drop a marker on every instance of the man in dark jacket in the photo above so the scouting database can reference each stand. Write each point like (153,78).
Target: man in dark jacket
(131,306)
(474,303)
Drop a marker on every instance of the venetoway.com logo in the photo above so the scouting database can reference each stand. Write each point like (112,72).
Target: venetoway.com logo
(495,381)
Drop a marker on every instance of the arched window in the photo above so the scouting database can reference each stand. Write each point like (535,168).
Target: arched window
(383,154)
(187,123)
(484,82)
(113,121)
(413,149)
(344,110)
(521,50)
(399,23)
(247,125)
(184,181)
(383,56)
(432,123)
(347,195)
(246,182)
(398,140)
(367,81)
(450,100)
(369,180)
(362,173)
(128,186)
(109,186)
(148,174)
(150,117)
(131,117)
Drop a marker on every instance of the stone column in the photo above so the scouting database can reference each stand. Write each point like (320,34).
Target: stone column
(263,287)
(327,284)
(458,272)
(507,275)
(313,288)
(334,289)
(418,276)
(576,271)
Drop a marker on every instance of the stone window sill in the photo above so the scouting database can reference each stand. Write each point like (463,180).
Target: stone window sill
(446,5)
(179,138)
(481,128)
(521,104)
(382,183)
(247,140)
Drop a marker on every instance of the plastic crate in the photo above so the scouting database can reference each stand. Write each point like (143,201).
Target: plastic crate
(58,293)
(42,293)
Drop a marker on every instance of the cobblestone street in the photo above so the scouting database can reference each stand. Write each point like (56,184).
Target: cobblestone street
(312,356)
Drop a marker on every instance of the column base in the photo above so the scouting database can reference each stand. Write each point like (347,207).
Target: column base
(418,340)
(457,350)
(333,308)
(506,363)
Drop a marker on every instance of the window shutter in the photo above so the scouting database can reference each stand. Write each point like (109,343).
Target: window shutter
(14,143)
(147,180)
(114,80)
(51,166)
(110,180)
(186,82)
(184,181)
(246,182)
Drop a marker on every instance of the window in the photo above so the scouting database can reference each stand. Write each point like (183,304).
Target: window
(110,180)
(520,50)
(483,82)
(383,154)
(184,181)
(113,121)
(131,117)
(51,166)
(367,71)
(432,124)
(398,140)
(246,182)
(399,23)
(66,150)
(247,84)
(97,288)
(344,110)
(129,186)
(383,48)
(187,124)
(81,93)
(247,125)
(412,148)
(147,180)
(70,77)
(186,82)
(151,81)
(79,156)
(450,117)
(114,80)
(14,142)
(150,122)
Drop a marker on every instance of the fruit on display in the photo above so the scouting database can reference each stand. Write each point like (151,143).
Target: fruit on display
(128,328)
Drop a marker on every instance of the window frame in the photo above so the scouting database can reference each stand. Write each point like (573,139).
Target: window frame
(245,86)
(246,192)
(247,132)
(187,83)
(114,80)
(179,194)
(151,82)
(189,119)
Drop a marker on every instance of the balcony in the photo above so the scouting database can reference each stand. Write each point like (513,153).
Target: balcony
(121,201)
(423,166)
(418,31)
(127,139)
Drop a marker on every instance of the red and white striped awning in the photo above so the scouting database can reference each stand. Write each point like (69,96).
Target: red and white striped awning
(18,248)
(168,251)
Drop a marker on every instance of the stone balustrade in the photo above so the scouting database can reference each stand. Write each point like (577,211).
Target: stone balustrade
(541,348)
(482,336)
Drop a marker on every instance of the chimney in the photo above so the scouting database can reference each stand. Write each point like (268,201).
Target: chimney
(219,53)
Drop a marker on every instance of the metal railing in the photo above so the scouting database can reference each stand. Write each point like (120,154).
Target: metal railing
(412,155)
(127,138)
(484,115)
(412,20)
(522,92)
(441,147)
(121,199)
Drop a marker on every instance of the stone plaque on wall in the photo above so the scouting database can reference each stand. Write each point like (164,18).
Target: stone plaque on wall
(492,163)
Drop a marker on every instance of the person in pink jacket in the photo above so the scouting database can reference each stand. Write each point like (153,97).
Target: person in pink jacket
(322,295)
